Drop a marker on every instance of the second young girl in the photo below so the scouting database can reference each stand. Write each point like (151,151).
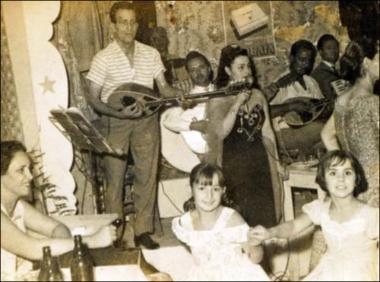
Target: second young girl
(216,234)
(351,228)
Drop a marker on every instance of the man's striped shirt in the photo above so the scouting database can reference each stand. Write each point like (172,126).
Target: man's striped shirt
(111,68)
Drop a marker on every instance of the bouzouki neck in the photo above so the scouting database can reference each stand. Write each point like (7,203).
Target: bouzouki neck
(232,89)
(212,94)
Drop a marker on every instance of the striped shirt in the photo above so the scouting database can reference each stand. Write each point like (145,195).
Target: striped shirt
(111,68)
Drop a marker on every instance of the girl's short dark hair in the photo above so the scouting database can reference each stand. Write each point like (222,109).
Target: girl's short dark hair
(203,173)
(335,157)
(8,151)
(227,57)
(121,6)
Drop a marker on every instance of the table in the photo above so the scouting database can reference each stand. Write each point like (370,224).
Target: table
(302,177)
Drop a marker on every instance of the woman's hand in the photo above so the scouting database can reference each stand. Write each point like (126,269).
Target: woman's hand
(242,97)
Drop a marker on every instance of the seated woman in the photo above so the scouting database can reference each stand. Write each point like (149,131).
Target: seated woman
(17,216)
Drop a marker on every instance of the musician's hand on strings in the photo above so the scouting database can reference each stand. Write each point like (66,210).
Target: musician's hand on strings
(186,104)
(133,111)
(270,91)
(200,125)
(185,85)
(183,102)
(300,106)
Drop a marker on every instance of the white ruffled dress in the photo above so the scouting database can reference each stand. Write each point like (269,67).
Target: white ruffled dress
(352,253)
(218,253)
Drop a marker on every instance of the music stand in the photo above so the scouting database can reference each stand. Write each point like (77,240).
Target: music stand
(83,135)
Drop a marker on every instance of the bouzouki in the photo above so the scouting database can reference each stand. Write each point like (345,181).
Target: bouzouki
(129,93)
(318,110)
(318,107)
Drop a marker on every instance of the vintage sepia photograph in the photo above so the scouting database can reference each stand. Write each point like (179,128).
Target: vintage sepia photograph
(190,140)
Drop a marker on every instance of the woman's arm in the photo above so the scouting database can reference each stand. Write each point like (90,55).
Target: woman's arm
(21,244)
(222,112)
(285,230)
(43,224)
(328,135)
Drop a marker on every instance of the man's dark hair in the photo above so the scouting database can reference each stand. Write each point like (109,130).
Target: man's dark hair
(194,54)
(302,45)
(324,38)
(121,6)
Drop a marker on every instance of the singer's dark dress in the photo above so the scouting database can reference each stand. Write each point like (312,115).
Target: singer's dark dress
(246,169)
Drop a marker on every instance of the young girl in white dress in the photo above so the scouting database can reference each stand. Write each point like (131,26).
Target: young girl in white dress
(217,235)
(351,228)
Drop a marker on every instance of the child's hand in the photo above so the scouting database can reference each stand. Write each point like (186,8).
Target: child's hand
(258,233)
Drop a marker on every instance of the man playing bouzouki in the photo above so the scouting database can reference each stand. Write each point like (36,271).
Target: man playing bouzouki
(293,93)
(126,60)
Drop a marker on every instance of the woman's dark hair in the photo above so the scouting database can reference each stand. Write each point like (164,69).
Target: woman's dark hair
(336,157)
(121,6)
(194,54)
(227,57)
(8,151)
(324,38)
(203,173)
(352,59)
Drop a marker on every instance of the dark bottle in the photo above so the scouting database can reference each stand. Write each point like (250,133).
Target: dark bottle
(50,270)
(82,267)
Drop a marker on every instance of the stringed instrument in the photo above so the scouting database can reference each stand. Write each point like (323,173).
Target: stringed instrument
(130,93)
(319,108)
(283,81)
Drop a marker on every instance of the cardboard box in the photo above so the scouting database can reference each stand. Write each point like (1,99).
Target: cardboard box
(248,18)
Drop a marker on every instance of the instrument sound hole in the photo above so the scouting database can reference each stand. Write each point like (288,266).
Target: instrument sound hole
(127,101)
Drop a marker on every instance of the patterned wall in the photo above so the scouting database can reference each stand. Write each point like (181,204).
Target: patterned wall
(11,127)
(205,26)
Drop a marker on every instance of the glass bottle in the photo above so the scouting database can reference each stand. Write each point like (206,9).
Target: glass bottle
(50,270)
(82,267)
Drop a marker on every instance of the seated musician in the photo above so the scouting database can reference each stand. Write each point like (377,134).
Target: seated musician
(123,61)
(191,122)
(296,83)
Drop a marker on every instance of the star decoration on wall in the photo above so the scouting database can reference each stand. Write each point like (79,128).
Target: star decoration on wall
(47,85)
